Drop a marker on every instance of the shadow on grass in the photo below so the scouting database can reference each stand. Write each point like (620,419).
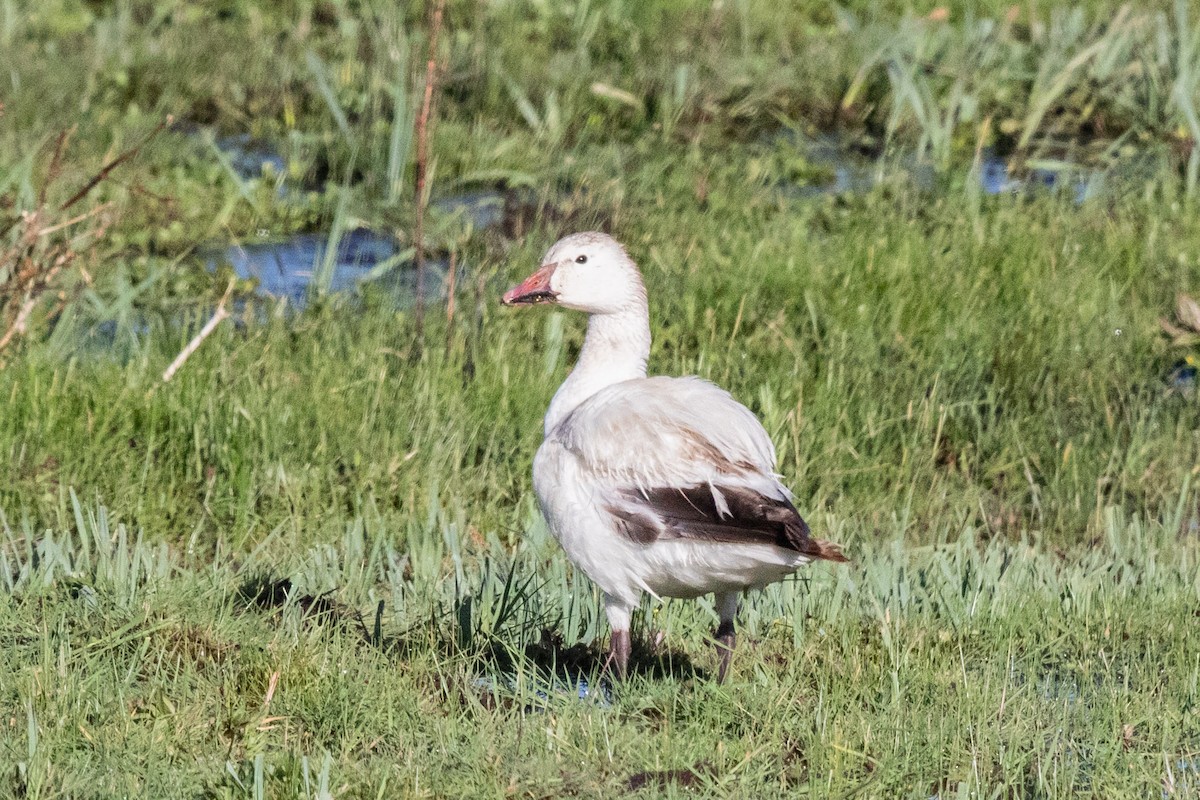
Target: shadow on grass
(506,673)
(264,591)
(534,676)
(553,657)
(661,779)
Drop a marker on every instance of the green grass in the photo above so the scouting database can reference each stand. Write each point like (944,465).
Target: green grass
(311,564)
(964,668)
(908,358)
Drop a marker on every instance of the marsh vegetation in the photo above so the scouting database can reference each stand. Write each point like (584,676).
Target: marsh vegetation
(310,564)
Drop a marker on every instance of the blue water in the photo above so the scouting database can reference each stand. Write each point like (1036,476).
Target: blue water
(854,173)
(249,156)
(538,693)
(287,268)
(290,267)
(1182,378)
(996,176)
(483,208)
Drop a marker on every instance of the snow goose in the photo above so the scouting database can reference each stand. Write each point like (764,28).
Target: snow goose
(653,484)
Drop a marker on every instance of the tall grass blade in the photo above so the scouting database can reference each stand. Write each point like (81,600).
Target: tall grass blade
(403,120)
(320,74)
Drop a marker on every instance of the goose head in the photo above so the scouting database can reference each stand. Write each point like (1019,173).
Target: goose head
(588,272)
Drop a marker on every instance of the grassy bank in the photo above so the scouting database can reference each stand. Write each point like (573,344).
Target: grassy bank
(981,361)
(955,670)
(310,565)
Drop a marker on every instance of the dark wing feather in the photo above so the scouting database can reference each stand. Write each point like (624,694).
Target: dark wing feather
(694,512)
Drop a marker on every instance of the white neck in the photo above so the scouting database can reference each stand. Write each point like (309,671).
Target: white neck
(615,349)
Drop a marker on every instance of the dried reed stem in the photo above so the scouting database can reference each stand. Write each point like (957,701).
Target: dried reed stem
(116,162)
(221,313)
(431,76)
(20,323)
(45,246)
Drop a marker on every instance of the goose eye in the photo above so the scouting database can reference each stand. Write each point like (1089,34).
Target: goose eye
(581,259)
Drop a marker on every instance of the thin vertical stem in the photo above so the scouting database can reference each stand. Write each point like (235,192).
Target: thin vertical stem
(451,286)
(431,76)
(476,327)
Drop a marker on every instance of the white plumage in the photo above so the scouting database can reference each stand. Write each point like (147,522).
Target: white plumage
(661,485)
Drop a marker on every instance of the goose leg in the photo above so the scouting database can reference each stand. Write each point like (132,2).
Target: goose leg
(618,654)
(727,608)
(621,645)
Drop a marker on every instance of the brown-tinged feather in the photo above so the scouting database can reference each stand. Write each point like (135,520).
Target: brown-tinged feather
(692,512)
